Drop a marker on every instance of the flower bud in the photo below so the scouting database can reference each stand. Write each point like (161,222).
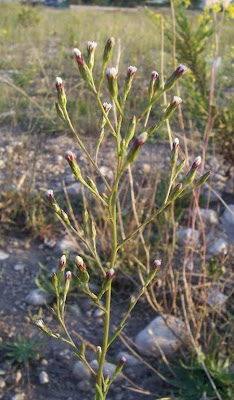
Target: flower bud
(91,47)
(40,323)
(83,67)
(55,281)
(122,361)
(192,173)
(62,100)
(178,73)
(71,158)
(120,366)
(49,194)
(68,275)
(62,262)
(157,264)
(108,50)
(176,143)
(128,83)
(59,111)
(174,153)
(130,132)
(131,71)
(110,274)
(196,162)
(134,152)
(154,83)
(107,107)
(171,108)
(82,273)
(111,74)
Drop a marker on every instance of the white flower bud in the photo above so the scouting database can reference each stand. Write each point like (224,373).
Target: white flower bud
(197,162)
(77,52)
(49,194)
(111,72)
(157,263)
(68,275)
(176,143)
(176,100)
(107,106)
(79,261)
(141,139)
(132,70)
(91,46)
(40,323)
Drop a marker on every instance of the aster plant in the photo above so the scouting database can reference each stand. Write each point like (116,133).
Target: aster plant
(128,144)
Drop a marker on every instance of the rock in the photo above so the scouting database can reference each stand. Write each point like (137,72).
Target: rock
(157,334)
(2,383)
(107,172)
(188,236)
(216,298)
(18,376)
(98,313)
(108,369)
(74,189)
(38,297)
(3,255)
(131,360)
(44,362)
(19,396)
(50,243)
(43,377)
(228,216)
(80,371)
(219,247)
(19,267)
(65,244)
(84,385)
(146,168)
(75,310)
(2,164)
(209,216)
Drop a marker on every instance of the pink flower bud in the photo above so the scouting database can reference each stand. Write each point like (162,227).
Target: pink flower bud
(91,46)
(59,83)
(107,106)
(62,262)
(141,139)
(69,156)
(157,263)
(176,143)
(111,72)
(131,71)
(196,162)
(78,56)
(122,360)
(68,275)
(176,101)
(154,75)
(49,194)
(110,274)
(180,70)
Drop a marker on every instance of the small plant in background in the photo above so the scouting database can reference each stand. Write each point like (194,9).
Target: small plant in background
(129,143)
(22,351)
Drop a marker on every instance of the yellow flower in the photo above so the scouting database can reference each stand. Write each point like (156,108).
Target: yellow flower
(230,11)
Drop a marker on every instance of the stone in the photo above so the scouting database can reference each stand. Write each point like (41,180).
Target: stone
(19,267)
(65,244)
(228,216)
(209,216)
(75,310)
(3,255)
(157,334)
(2,383)
(38,297)
(106,172)
(43,377)
(84,385)
(131,360)
(216,299)
(80,371)
(19,396)
(188,236)
(98,313)
(108,369)
(219,247)
(146,168)
(18,376)
(74,189)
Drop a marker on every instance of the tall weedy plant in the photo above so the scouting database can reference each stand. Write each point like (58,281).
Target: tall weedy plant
(128,146)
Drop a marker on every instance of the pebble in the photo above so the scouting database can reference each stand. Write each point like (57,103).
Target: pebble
(18,376)
(188,236)
(84,385)
(44,362)
(74,189)
(80,371)
(19,396)
(219,247)
(107,172)
(228,216)
(209,216)
(65,244)
(38,297)
(19,267)
(3,255)
(98,313)
(2,383)
(216,298)
(43,377)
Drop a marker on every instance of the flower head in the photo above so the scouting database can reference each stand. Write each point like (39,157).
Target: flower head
(91,46)
(157,264)
(141,139)
(68,275)
(62,262)
(40,323)
(196,162)
(69,156)
(111,72)
(110,274)
(107,106)
(176,143)
(176,101)
(154,75)
(122,360)
(59,83)
(49,194)
(79,262)
(131,71)
(78,56)
(180,70)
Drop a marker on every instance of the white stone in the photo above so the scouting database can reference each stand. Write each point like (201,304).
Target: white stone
(209,216)
(65,244)
(228,216)
(188,236)
(80,371)
(19,396)
(219,247)
(38,297)
(131,360)
(158,335)
(2,383)
(18,376)
(107,172)
(3,255)
(74,189)
(19,267)
(43,377)
(98,313)
(84,385)
(108,369)
(216,298)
